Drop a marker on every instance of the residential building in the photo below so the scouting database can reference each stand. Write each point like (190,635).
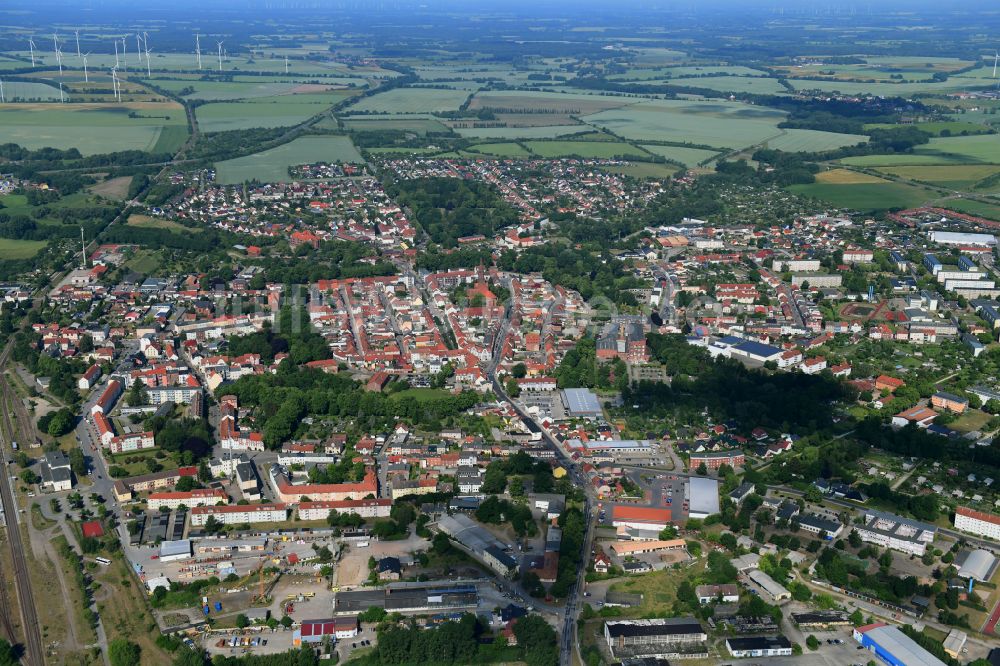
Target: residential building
(977,522)
(728,593)
(188,498)
(891,531)
(366,508)
(237,514)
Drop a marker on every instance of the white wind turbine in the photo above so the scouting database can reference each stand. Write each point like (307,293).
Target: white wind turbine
(114,84)
(3,100)
(197,47)
(138,46)
(149,74)
(77,33)
(220,56)
(117,64)
(286,64)
(86,76)
(124,58)
(31,49)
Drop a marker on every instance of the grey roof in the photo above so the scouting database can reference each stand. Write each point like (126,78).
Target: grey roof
(182,547)
(581,401)
(758,349)
(903,648)
(977,564)
(704,495)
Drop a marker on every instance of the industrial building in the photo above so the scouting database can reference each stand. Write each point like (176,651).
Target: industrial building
(664,638)
(479,542)
(759,646)
(406,598)
(976,564)
(703,497)
(772,588)
(581,403)
(955,238)
(894,647)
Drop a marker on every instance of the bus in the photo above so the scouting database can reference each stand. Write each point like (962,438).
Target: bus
(103,560)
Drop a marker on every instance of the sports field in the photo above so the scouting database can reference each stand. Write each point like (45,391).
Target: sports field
(718,124)
(412,100)
(90,128)
(271,166)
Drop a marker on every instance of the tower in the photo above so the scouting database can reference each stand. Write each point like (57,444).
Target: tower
(83,250)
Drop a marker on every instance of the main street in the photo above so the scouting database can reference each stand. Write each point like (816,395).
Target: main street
(572,609)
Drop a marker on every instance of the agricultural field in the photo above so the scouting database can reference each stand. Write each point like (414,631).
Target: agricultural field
(417,124)
(585,149)
(221,91)
(809,141)
(576,104)
(907,159)
(19,249)
(689,157)
(718,124)
(278,111)
(974,207)
(732,84)
(92,128)
(685,72)
(867,196)
(149,222)
(539,132)
(884,88)
(981,149)
(950,128)
(113,188)
(271,166)
(502,149)
(846,177)
(956,176)
(412,100)
(23,91)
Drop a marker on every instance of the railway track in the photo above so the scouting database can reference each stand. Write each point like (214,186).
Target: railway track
(33,653)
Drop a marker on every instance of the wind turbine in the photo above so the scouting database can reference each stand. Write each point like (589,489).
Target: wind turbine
(31,49)
(124,58)
(197,47)
(149,74)
(114,83)
(116,55)
(220,56)
(55,47)
(996,57)
(138,46)
(3,100)
(286,64)
(62,97)
(86,76)
(77,33)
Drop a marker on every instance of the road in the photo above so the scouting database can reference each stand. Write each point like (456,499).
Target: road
(33,652)
(567,638)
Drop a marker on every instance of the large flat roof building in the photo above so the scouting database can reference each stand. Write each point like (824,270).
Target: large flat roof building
(894,647)
(703,495)
(581,403)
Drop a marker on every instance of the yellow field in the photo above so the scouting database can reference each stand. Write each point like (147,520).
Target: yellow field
(846,177)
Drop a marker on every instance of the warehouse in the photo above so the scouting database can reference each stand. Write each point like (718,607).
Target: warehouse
(759,646)
(175,550)
(640,517)
(774,590)
(663,638)
(757,352)
(703,496)
(976,565)
(823,620)
(408,598)
(581,403)
(955,238)
(893,646)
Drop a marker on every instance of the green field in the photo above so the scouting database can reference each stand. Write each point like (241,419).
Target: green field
(19,249)
(541,132)
(90,128)
(983,149)
(412,100)
(278,111)
(718,124)
(954,127)
(867,196)
(956,176)
(735,84)
(586,149)
(692,73)
(271,166)
(899,160)
(234,90)
(417,124)
(505,149)
(23,91)
(972,207)
(687,156)
(808,141)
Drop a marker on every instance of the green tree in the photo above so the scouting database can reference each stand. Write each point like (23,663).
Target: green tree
(124,653)
(242,621)
(812,642)
(60,423)
(137,395)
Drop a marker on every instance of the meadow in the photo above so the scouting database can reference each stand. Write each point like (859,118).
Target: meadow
(502,149)
(220,91)
(736,84)
(19,249)
(90,128)
(687,156)
(23,91)
(277,111)
(417,124)
(711,123)
(547,102)
(271,166)
(949,127)
(537,132)
(412,100)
